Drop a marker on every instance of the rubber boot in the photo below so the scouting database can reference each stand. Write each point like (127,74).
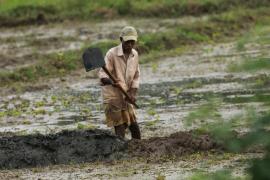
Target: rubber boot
(135,130)
(120,130)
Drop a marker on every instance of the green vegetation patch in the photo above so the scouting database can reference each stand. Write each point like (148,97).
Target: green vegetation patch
(15,12)
(217,28)
(204,113)
(57,64)
(258,35)
(219,175)
(256,98)
(251,65)
(257,137)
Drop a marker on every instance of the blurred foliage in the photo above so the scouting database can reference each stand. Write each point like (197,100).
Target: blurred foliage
(85,9)
(251,64)
(206,111)
(259,97)
(259,136)
(258,35)
(225,132)
(258,124)
(16,12)
(219,175)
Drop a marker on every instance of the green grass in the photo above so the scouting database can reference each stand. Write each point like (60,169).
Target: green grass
(180,38)
(263,98)
(251,65)
(12,4)
(16,10)
(86,126)
(224,131)
(205,112)
(218,175)
(258,35)
(59,64)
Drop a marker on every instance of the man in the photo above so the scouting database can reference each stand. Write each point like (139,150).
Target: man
(122,61)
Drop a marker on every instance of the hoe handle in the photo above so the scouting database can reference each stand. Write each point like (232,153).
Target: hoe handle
(121,89)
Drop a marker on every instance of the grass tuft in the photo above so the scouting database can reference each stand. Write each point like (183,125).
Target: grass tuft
(251,65)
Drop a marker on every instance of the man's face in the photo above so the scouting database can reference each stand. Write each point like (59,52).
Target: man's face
(128,45)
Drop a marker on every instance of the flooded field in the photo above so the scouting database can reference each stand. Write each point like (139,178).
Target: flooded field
(171,89)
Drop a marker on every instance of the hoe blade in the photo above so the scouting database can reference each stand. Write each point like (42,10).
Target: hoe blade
(92,59)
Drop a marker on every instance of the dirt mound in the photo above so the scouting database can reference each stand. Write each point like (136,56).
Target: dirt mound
(91,145)
(61,148)
(177,144)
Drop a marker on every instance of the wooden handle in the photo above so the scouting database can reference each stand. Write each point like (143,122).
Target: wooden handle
(121,89)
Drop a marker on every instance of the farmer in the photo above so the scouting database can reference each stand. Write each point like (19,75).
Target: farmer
(122,61)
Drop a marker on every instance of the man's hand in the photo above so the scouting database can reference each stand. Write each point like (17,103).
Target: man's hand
(106,81)
(132,94)
(117,83)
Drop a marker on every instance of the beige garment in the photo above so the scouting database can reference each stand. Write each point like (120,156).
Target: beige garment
(117,110)
(116,116)
(126,70)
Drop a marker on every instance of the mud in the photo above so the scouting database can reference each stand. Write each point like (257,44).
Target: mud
(66,147)
(177,144)
(69,147)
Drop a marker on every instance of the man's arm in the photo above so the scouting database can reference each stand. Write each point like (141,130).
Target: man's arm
(135,84)
(104,78)
(136,79)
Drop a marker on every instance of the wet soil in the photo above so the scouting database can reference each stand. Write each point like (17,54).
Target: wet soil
(62,148)
(177,144)
(69,147)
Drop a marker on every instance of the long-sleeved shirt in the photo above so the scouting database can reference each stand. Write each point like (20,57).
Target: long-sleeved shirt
(125,70)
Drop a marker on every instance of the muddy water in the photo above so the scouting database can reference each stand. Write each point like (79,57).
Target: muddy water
(167,95)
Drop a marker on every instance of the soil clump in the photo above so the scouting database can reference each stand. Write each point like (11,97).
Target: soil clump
(81,146)
(62,148)
(177,144)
